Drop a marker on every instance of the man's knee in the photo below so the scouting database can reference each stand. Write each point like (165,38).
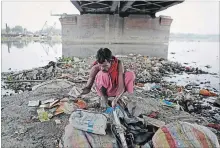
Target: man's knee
(130,75)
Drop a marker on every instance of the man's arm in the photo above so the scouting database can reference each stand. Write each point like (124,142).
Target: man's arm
(92,75)
(121,83)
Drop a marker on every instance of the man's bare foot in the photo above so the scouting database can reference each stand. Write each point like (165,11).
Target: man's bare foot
(103,104)
(85,91)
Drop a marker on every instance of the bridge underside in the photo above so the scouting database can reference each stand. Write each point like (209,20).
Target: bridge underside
(123,8)
(123,26)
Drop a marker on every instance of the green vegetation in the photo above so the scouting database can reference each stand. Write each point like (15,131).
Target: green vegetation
(65,59)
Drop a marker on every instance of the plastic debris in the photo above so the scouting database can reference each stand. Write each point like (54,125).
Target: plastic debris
(217,117)
(89,122)
(153,114)
(66,76)
(68,108)
(205,92)
(54,103)
(33,103)
(81,104)
(60,109)
(45,106)
(167,103)
(42,115)
(74,92)
(47,101)
(57,121)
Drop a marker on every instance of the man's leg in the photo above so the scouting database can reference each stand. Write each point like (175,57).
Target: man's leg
(102,82)
(129,81)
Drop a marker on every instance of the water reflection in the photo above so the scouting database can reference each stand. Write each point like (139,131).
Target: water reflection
(19,55)
(24,43)
(84,50)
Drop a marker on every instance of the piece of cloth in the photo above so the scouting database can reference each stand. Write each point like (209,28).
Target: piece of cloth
(184,134)
(104,79)
(215,126)
(113,71)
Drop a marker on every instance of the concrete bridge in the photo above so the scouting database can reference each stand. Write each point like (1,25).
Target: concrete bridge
(123,26)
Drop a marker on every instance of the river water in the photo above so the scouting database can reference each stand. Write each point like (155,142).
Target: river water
(27,55)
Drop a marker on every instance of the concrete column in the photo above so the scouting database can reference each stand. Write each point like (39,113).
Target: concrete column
(107,28)
(136,33)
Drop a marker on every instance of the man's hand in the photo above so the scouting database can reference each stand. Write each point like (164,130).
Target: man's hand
(86,90)
(114,102)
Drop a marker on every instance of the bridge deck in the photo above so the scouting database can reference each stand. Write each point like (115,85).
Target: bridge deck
(123,8)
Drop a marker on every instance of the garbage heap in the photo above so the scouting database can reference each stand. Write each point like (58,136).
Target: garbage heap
(144,111)
(154,106)
(77,70)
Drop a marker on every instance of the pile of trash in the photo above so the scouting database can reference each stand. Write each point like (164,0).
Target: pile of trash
(142,121)
(77,70)
(44,113)
(154,104)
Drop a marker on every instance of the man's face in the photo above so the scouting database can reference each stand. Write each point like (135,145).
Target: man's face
(105,66)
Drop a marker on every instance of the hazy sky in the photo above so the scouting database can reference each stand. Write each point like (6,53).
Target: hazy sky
(188,17)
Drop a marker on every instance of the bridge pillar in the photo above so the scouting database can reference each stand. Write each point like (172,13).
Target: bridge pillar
(83,35)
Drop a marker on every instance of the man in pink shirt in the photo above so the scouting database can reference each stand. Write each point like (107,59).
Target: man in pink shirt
(110,78)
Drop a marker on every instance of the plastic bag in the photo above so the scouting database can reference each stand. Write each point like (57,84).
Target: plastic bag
(89,121)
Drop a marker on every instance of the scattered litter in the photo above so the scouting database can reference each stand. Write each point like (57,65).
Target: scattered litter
(81,104)
(167,103)
(140,84)
(57,121)
(60,109)
(45,106)
(54,103)
(217,117)
(74,92)
(68,108)
(66,76)
(208,66)
(42,115)
(205,92)
(76,59)
(64,100)
(34,103)
(47,101)
(153,115)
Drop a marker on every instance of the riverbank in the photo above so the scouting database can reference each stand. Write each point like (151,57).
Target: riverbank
(29,38)
(56,79)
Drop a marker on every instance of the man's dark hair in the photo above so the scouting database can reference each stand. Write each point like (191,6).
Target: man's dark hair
(103,54)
